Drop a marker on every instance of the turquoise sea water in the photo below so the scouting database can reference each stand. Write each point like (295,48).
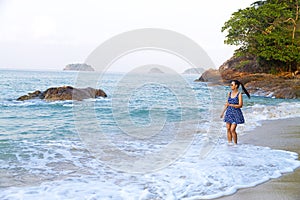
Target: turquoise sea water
(48,151)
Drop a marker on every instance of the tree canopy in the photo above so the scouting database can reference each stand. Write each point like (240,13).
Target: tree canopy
(268,30)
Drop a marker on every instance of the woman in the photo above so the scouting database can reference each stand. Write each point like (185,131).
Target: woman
(234,115)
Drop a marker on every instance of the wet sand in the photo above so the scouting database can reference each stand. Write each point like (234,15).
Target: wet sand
(277,134)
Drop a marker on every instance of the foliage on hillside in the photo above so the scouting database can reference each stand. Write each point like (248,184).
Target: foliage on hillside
(269,31)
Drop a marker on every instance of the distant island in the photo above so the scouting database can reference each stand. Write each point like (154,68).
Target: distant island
(194,71)
(155,70)
(78,67)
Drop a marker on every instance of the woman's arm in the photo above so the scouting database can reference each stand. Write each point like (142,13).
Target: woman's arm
(225,108)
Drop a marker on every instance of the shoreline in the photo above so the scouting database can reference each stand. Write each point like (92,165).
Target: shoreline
(281,134)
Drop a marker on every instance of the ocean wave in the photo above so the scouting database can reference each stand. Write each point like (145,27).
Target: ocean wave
(258,112)
(40,102)
(34,102)
(68,172)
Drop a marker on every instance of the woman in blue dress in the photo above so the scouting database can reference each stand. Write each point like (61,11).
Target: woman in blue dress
(234,115)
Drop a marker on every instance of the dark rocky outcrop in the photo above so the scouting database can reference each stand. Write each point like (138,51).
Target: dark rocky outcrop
(212,76)
(273,86)
(64,93)
(78,67)
(282,85)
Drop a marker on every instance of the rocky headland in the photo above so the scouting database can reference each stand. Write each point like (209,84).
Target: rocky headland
(246,70)
(64,93)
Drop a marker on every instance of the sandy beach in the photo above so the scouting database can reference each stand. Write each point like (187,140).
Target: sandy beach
(277,134)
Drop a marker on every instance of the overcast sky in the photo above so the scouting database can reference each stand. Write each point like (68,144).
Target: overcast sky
(49,34)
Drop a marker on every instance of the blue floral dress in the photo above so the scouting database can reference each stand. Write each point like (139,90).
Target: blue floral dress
(234,115)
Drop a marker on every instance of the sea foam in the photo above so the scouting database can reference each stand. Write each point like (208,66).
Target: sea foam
(221,172)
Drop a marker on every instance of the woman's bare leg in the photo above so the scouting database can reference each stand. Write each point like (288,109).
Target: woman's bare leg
(229,135)
(233,132)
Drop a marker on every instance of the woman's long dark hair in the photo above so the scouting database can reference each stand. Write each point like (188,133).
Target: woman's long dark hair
(243,87)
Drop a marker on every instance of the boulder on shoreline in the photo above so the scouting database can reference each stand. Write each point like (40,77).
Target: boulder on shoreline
(284,85)
(64,93)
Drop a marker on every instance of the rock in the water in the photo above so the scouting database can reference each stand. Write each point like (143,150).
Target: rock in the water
(65,93)
(33,95)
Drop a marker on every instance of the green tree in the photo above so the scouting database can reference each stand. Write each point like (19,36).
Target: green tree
(268,30)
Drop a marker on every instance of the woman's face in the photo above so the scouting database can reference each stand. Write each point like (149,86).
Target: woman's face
(233,85)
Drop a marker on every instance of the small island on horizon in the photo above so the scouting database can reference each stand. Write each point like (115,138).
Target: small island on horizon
(198,70)
(78,67)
